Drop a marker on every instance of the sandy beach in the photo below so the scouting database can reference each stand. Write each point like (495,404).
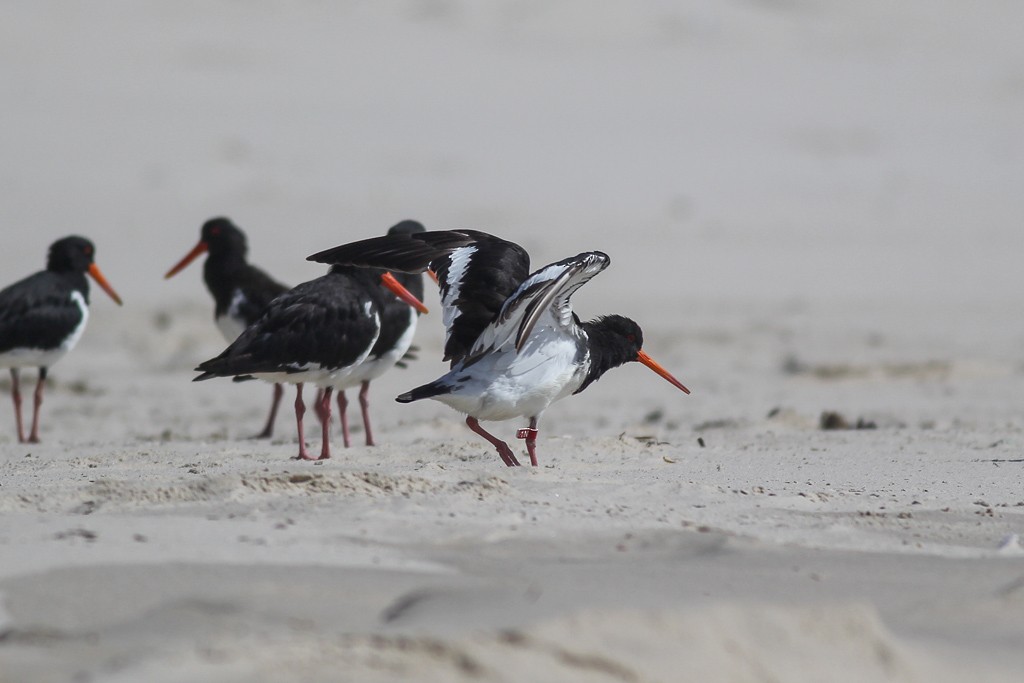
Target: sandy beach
(810,207)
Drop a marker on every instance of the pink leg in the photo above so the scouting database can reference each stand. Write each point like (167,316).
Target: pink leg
(325,424)
(16,397)
(318,405)
(268,429)
(343,414)
(300,410)
(364,403)
(33,436)
(507,456)
(530,434)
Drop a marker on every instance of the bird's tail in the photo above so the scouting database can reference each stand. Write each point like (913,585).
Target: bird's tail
(221,366)
(435,388)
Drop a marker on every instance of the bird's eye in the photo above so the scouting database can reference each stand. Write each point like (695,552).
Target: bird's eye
(87,251)
(215,231)
(631,337)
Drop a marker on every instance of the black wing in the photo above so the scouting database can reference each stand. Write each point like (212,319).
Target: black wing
(322,322)
(39,312)
(542,302)
(476,271)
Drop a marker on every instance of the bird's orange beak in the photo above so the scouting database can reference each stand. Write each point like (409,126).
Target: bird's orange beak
(191,256)
(653,365)
(433,276)
(97,275)
(389,281)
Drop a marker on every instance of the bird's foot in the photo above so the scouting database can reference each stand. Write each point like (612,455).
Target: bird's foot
(507,456)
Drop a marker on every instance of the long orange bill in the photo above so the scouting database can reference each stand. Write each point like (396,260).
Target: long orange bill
(653,365)
(389,281)
(433,276)
(200,248)
(97,275)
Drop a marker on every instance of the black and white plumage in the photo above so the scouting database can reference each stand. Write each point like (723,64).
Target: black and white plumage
(240,290)
(43,316)
(514,343)
(318,332)
(397,326)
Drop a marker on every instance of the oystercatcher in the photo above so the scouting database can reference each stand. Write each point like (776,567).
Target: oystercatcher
(43,316)
(240,290)
(397,327)
(513,340)
(318,332)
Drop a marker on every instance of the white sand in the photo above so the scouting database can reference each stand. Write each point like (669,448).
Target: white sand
(810,206)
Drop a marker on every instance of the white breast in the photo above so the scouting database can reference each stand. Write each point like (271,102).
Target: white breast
(503,386)
(231,323)
(372,368)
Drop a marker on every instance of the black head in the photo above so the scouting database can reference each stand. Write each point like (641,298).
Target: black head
(406,228)
(376,280)
(221,240)
(76,255)
(71,254)
(221,236)
(614,340)
(621,338)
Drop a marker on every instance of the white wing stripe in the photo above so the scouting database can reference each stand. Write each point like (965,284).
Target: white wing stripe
(460,259)
(545,292)
(539,306)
